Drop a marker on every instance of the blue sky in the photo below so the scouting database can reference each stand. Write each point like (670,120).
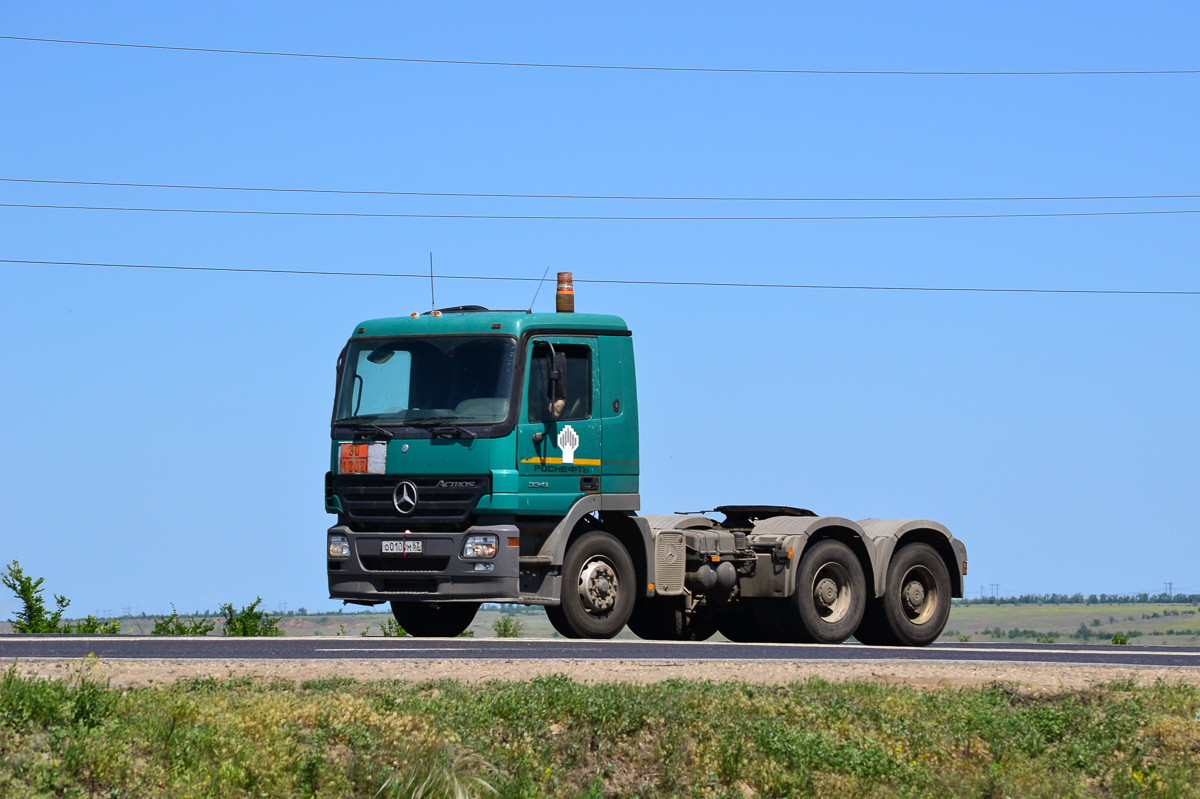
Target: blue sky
(169,431)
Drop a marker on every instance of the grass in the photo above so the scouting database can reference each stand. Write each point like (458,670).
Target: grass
(551,737)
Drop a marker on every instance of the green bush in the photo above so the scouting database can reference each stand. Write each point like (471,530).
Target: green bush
(33,616)
(508,627)
(392,629)
(93,626)
(1120,639)
(249,620)
(176,625)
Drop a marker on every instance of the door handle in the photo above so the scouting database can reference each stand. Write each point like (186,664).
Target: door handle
(538,438)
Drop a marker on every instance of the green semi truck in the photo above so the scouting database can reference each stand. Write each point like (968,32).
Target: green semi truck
(492,456)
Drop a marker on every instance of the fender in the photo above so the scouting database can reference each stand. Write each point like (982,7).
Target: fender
(555,545)
(794,533)
(885,535)
(679,522)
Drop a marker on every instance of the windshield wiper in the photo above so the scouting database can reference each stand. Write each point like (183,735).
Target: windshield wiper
(360,425)
(441,427)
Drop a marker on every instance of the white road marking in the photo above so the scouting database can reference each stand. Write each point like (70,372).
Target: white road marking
(403,649)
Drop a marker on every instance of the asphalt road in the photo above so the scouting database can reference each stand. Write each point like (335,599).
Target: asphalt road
(220,648)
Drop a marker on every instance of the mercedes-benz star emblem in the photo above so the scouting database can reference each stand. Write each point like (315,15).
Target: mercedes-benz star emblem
(405,497)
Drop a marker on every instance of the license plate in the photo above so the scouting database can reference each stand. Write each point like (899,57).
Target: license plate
(402,547)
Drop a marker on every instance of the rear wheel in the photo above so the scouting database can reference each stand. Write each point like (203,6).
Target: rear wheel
(776,622)
(435,619)
(831,593)
(916,602)
(873,630)
(598,588)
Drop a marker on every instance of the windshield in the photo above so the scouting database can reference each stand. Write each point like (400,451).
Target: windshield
(459,379)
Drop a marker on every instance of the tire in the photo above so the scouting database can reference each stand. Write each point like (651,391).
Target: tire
(874,629)
(776,622)
(831,593)
(435,619)
(664,619)
(558,620)
(599,588)
(653,619)
(916,601)
(740,625)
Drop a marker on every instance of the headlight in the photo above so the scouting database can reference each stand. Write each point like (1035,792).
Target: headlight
(339,547)
(479,546)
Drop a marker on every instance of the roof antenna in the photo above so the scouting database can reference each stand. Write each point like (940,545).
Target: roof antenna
(539,288)
(432,301)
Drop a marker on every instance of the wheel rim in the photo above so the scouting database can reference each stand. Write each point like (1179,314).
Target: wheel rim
(598,585)
(832,593)
(918,594)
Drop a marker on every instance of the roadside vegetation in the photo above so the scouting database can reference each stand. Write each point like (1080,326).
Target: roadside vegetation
(34,617)
(508,627)
(249,620)
(176,625)
(1075,622)
(552,737)
(1080,599)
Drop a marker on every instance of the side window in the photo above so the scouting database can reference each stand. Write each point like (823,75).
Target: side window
(577,390)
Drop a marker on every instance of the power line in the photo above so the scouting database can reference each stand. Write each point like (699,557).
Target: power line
(614,67)
(675,283)
(487,195)
(593,218)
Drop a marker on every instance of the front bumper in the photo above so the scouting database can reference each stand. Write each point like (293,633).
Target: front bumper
(439,573)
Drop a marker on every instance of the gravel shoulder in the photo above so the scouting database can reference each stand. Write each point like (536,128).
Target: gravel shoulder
(1034,678)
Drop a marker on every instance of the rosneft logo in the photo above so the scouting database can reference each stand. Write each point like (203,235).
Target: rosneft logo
(455,484)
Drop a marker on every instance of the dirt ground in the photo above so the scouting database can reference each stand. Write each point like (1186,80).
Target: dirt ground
(1034,678)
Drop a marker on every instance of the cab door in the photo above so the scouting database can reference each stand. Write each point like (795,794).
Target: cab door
(559,447)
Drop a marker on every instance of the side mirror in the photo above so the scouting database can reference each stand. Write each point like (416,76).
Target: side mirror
(556,385)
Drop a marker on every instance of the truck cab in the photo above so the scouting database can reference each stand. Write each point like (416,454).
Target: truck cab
(492,456)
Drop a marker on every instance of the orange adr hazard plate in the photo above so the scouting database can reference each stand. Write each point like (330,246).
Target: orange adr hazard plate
(354,459)
(358,458)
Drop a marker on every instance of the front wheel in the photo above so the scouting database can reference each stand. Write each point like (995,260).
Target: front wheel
(916,602)
(599,587)
(435,619)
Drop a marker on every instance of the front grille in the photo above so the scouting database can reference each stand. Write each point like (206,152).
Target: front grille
(368,508)
(409,564)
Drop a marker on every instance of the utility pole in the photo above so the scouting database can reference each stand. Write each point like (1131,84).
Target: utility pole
(995,590)
(1168,586)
